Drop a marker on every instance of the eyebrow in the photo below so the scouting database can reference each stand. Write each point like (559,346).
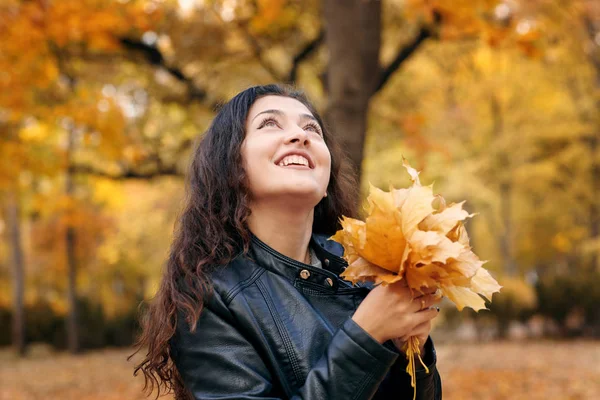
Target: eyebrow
(281,113)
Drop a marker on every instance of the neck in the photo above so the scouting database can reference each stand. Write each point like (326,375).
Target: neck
(287,231)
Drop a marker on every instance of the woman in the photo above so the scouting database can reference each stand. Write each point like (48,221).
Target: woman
(251,305)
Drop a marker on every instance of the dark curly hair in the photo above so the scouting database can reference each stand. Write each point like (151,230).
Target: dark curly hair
(212,229)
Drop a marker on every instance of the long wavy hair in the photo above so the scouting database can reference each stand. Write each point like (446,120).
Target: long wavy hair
(212,230)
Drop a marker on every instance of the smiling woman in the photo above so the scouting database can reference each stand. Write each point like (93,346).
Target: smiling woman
(251,304)
(287,162)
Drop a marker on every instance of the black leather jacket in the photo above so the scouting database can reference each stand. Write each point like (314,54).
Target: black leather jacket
(277,328)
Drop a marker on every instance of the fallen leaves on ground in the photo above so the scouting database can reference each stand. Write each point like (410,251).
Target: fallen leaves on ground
(101,375)
(544,370)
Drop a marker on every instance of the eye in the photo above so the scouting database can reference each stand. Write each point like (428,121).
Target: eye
(268,122)
(314,127)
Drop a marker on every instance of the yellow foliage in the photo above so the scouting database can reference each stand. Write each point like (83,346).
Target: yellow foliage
(12,160)
(5,294)
(516,295)
(35,133)
(272,17)
(108,193)
(494,22)
(49,31)
(561,243)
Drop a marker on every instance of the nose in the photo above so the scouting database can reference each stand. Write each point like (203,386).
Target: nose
(298,135)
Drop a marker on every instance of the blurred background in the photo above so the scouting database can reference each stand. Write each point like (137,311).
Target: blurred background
(497,102)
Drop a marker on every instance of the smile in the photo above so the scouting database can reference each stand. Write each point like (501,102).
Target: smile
(294,160)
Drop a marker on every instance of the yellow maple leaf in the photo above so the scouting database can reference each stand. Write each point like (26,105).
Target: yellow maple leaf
(445,220)
(483,283)
(463,297)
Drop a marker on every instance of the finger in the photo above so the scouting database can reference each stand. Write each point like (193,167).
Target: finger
(424,302)
(435,299)
(424,316)
(432,300)
(401,289)
(399,285)
(422,329)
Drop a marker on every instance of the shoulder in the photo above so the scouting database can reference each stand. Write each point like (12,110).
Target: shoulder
(230,279)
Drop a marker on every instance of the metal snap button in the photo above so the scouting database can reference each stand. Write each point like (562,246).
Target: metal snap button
(326,261)
(329,282)
(304,274)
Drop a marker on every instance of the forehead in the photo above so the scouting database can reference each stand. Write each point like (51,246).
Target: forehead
(287,105)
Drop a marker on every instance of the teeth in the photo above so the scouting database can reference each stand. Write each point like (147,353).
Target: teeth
(293,159)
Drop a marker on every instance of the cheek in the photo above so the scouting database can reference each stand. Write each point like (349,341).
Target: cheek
(245,151)
(252,160)
(250,155)
(327,162)
(257,150)
(244,154)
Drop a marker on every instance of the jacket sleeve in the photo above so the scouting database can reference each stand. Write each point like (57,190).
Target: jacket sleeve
(218,362)
(397,382)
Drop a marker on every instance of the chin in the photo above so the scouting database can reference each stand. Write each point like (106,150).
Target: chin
(307,192)
(308,195)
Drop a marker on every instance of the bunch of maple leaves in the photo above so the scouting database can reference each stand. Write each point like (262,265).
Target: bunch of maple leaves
(405,237)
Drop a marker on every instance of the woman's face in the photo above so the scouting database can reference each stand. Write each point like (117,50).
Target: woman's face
(284,153)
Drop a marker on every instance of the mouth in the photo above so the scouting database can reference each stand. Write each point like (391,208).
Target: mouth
(296,160)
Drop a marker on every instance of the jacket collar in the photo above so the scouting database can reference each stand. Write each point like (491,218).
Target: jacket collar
(328,252)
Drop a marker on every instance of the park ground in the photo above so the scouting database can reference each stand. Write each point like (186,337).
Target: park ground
(482,371)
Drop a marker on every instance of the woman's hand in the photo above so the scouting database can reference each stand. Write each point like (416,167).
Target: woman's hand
(390,312)
(422,331)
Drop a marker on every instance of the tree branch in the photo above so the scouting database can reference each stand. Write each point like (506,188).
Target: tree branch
(128,173)
(155,57)
(591,32)
(304,53)
(154,166)
(257,50)
(403,55)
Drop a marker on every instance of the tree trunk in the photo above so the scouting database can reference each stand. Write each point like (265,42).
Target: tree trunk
(353,29)
(595,204)
(70,240)
(18,269)
(506,236)
(502,325)
(594,57)
(505,192)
